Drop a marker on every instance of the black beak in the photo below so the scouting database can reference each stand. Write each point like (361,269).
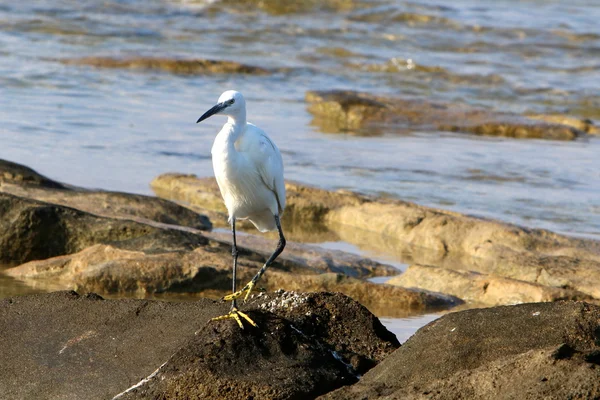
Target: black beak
(212,112)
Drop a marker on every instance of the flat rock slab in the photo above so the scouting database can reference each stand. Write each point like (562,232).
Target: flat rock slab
(529,351)
(34,230)
(22,181)
(67,346)
(481,288)
(475,244)
(311,257)
(340,110)
(110,270)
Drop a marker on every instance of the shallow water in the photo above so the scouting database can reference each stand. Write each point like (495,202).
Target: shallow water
(117,129)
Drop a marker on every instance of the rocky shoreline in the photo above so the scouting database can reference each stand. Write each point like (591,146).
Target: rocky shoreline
(306,346)
(317,332)
(528,257)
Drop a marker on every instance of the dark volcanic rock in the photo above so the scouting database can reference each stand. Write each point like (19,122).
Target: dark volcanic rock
(62,345)
(309,343)
(274,361)
(314,313)
(530,351)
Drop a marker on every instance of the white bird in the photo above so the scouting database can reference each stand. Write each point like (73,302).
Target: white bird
(249,170)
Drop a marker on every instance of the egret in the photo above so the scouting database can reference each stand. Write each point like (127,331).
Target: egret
(249,171)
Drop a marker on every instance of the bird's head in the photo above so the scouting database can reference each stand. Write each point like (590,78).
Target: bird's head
(230,103)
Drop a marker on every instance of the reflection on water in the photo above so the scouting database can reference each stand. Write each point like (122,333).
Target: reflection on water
(10,287)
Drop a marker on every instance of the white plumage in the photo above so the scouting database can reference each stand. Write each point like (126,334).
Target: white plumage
(248,167)
(249,170)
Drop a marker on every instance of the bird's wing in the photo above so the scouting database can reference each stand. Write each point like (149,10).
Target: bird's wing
(267,160)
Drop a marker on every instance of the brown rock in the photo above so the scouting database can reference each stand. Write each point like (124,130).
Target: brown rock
(382,300)
(276,7)
(29,184)
(309,257)
(338,110)
(34,230)
(11,172)
(90,348)
(476,244)
(481,288)
(207,271)
(174,66)
(530,351)
(584,125)
(111,243)
(107,269)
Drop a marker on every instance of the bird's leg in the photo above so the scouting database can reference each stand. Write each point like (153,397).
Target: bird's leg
(250,285)
(234,255)
(234,312)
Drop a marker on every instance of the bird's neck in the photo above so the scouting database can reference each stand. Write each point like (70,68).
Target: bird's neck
(230,134)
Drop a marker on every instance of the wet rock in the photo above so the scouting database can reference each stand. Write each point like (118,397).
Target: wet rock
(111,270)
(102,349)
(339,110)
(34,230)
(382,300)
(584,125)
(312,258)
(174,66)
(481,288)
(112,243)
(277,7)
(27,183)
(207,271)
(11,172)
(530,351)
(480,245)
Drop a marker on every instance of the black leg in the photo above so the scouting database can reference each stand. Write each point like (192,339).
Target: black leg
(234,253)
(250,285)
(278,250)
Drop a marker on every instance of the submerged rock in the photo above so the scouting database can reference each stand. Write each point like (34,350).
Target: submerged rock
(584,125)
(530,351)
(338,110)
(305,345)
(175,66)
(277,7)
(481,245)
(481,288)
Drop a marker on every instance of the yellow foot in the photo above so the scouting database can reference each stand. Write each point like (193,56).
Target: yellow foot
(236,314)
(248,289)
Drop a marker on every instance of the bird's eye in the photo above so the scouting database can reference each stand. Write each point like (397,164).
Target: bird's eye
(230,102)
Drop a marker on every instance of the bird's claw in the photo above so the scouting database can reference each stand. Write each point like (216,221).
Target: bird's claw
(248,289)
(236,314)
